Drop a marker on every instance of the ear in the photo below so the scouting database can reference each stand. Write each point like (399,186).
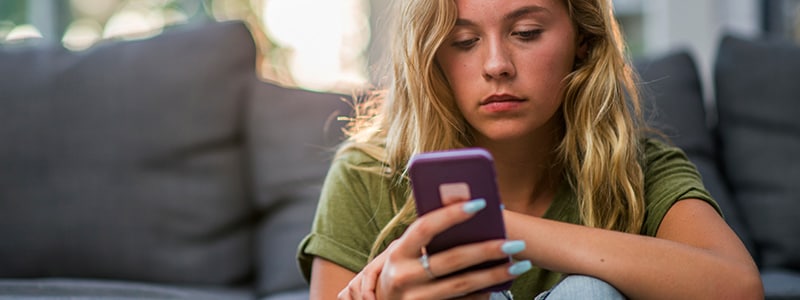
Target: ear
(582,50)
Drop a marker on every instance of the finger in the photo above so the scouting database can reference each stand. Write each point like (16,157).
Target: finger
(427,226)
(359,287)
(412,271)
(366,287)
(467,283)
(372,271)
(463,256)
(349,292)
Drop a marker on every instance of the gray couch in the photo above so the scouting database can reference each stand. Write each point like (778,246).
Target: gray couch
(157,169)
(163,169)
(747,149)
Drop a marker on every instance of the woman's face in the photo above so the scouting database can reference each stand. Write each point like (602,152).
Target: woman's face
(505,61)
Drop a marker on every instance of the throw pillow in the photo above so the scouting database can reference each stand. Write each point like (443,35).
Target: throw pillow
(126,161)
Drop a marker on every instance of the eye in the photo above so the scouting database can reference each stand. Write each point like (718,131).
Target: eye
(528,35)
(465,44)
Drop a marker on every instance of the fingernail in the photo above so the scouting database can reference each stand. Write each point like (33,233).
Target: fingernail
(520,267)
(513,247)
(474,206)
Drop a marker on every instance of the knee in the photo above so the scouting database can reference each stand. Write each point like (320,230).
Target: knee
(583,287)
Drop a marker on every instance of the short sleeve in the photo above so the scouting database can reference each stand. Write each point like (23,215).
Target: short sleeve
(669,178)
(349,216)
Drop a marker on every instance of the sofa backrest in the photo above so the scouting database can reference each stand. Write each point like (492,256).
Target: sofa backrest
(161,160)
(125,161)
(674,104)
(757,83)
(750,157)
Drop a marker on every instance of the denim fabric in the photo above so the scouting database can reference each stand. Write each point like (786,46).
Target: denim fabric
(581,287)
(505,295)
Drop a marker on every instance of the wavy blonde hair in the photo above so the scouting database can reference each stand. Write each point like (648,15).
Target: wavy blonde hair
(599,150)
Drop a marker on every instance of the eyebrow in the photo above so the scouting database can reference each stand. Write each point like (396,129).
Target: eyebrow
(516,14)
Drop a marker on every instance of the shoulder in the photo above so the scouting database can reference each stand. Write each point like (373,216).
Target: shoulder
(349,215)
(665,164)
(669,176)
(353,156)
(357,163)
(655,150)
(354,171)
(661,159)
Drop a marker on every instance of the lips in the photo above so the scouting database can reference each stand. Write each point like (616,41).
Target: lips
(502,103)
(500,98)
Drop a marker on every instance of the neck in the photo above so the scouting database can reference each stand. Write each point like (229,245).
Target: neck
(527,173)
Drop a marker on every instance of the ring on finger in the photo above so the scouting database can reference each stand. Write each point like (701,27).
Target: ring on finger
(426,264)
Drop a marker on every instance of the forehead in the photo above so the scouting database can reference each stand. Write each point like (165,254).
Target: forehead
(471,12)
(487,7)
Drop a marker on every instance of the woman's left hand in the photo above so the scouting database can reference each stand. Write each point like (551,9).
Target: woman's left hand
(363,285)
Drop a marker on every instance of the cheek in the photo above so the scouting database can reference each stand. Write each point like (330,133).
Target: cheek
(564,60)
(556,56)
(549,69)
(459,75)
(454,71)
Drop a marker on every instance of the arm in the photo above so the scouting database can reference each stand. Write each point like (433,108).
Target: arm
(358,286)
(695,255)
(327,279)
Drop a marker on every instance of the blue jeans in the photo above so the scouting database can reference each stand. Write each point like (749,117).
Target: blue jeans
(581,287)
(574,287)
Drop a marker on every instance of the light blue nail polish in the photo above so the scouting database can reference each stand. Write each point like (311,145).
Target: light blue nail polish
(474,205)
(520,267)
(513,247)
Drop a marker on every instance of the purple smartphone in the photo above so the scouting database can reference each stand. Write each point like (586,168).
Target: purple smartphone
(466,174)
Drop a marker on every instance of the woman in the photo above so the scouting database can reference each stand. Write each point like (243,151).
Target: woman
(591,205)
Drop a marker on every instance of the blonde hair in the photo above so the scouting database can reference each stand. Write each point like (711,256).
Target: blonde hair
(600,147)
(599,151)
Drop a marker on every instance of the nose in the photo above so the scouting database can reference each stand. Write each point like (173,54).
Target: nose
(498,64)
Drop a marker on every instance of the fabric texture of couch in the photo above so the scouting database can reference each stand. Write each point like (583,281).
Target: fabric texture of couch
(158,168)
(747,148)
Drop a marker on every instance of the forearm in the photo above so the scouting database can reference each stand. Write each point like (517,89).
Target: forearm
(328,279)
(639,266)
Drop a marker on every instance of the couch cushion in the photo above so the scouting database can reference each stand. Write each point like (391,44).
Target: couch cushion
(300,129)
(758,98)
(673,104)
(780,284)
(59,288)
(126,161)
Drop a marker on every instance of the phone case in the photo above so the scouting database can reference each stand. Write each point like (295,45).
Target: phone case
(469,174)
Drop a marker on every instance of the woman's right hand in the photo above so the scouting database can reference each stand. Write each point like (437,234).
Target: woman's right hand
(400,272)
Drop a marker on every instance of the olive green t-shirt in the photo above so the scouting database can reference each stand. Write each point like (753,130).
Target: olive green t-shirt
(355,205)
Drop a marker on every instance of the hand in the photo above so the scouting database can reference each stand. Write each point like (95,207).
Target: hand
(398,272)
(363,285)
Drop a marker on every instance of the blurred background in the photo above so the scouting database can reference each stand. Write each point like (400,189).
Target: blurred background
(329,45)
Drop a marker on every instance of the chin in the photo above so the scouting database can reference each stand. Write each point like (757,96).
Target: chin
(511,134)
(506,136)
